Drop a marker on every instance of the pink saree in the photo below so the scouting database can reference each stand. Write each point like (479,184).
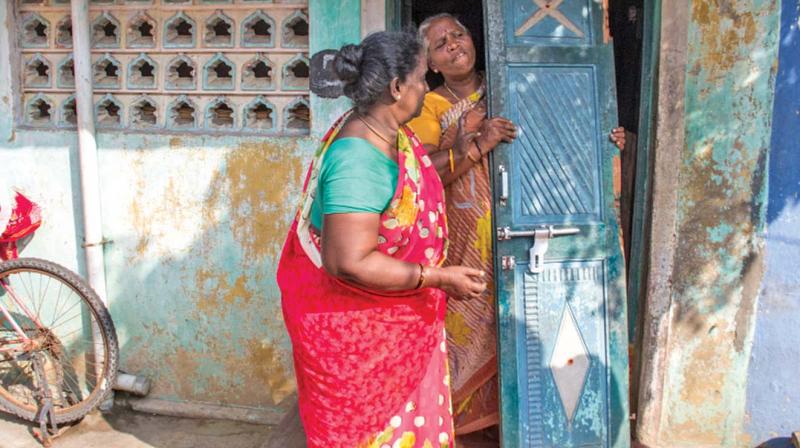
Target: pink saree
(371,366)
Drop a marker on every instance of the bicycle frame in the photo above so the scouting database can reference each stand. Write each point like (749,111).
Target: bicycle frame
(26,342)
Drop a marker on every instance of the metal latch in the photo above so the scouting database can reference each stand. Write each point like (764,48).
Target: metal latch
(508,262)
(541,242)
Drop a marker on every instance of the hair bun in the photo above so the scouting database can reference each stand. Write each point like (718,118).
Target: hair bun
(348,63)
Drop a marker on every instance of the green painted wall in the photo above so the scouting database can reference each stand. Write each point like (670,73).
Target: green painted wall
(196,222)
(720,215)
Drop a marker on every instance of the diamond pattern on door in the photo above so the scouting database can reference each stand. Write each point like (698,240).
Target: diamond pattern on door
(565,363)
(569,363)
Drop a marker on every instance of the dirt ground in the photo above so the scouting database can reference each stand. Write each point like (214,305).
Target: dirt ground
(126,429)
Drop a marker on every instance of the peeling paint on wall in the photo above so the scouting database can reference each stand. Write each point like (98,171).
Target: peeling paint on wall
(721,219)
(196,224)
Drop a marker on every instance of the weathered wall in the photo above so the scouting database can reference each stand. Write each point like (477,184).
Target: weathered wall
(196,223)
(701,321)
(773,389)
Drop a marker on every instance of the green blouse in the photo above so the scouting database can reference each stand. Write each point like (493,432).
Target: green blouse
(356,177)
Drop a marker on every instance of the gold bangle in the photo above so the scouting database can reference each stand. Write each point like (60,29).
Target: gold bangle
(421,276)
(469,156)
(452,161)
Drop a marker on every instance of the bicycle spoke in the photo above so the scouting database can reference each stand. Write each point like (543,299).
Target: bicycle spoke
(56,311)
(53,324)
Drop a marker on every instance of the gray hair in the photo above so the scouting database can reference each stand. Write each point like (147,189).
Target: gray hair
(422,32)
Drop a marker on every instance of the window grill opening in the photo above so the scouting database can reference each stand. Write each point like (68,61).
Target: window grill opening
(183,115)
(260,28)
(70,112)
(258,31)
(66,74)
(259,116)
(143,74)
(222,29)
(180,32)
(141,32)
(300,70)
(37,73)
(146,70)
(108,114)
(181,75)
(262,71)
(219,31)
(39,112)
(220,75)
(40,29)
(64,33)
(144,114)
(111,70)
(296,32)
(297,75)
(35,33)
(105,32)
(110,30)
(299,117)
(145,29)
(221,115)
(222,70)
(257,74)
(106,73)
(183,28)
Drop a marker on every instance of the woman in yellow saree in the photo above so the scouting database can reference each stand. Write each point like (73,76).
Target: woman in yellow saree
(455,130)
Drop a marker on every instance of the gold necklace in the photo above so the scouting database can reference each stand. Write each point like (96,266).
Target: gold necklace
(458,98)
(374,131)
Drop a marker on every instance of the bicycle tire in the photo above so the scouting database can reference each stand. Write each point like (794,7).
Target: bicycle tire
(106,379)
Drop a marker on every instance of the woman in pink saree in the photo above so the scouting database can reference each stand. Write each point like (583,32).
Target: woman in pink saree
(363,290)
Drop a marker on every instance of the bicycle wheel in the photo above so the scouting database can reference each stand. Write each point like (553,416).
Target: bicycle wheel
(73,338)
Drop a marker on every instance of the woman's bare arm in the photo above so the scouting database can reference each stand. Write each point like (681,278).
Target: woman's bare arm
(349,252)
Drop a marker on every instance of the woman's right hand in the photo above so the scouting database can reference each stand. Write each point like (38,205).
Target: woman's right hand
(459,282)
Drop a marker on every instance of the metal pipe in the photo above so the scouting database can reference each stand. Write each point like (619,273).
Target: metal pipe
(87,148)
(135,384)
(87,157)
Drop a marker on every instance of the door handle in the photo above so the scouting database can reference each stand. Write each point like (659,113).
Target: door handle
(541,242)
(503,184)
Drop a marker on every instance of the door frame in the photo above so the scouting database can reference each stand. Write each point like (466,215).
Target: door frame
(642,198)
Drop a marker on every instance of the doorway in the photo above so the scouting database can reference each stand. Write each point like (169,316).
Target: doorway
(626,20)
(627,29)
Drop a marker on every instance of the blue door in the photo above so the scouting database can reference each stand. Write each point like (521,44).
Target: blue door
(559,267)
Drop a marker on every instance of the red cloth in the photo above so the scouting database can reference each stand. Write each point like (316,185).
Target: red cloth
(25,218)
(360,355)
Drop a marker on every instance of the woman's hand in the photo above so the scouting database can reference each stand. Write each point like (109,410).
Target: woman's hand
(459,282)
(464,139)
(495,130)
(617,136)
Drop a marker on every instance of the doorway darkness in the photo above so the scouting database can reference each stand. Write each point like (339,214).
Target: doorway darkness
(625,17)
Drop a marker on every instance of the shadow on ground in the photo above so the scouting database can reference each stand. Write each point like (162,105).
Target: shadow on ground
(126,429)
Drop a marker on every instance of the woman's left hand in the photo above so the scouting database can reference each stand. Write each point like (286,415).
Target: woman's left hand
(495,130)
(617,136)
